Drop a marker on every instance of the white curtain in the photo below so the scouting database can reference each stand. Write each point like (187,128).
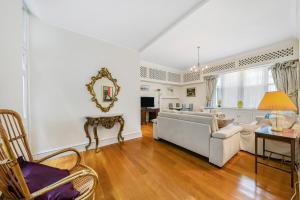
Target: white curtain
(254,86)
(230,84)
(286,78)
(210,86)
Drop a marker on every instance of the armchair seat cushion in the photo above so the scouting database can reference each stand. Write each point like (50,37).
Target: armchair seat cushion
(227,131)
(38,176)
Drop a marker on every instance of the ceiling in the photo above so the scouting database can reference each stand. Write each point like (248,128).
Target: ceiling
(167,32)
(127,23)
(224,28)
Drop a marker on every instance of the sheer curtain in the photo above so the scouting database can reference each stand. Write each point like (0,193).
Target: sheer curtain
(254,86)
(230,84)
(210,86)
(247,85)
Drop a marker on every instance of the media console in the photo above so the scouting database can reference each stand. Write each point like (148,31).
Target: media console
(151,112)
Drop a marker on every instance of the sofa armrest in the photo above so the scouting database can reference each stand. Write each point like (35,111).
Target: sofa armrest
(227,131)
(296,126)
(249,127)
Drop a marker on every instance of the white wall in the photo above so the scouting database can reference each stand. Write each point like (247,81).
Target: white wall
(166,95)
(179,90)
(178,96)
(62,63)
(198,100)
(10,54)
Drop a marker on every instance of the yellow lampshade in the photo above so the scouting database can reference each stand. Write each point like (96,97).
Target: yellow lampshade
(278,101)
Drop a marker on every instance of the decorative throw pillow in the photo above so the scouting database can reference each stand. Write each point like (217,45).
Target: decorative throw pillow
(38,176)
(262,121)
(287,121)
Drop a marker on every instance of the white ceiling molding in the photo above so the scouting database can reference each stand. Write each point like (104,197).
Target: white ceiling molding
(172,25)
(151,72)
(279,52)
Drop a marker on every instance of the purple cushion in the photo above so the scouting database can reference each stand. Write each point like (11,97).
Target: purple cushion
(38,176)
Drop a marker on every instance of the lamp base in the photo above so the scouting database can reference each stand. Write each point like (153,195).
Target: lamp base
(277,129)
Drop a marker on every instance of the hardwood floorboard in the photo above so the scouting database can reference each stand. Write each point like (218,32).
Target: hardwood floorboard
(148,169)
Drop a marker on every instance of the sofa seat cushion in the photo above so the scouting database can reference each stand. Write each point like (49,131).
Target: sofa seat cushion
(38,176)
(227,131)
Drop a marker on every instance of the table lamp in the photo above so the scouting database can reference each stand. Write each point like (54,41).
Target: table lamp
(276,101)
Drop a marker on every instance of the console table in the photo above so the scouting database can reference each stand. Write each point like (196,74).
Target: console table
(107,121)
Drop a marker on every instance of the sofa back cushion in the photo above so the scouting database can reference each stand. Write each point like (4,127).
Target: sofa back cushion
(214,123)
(193,117)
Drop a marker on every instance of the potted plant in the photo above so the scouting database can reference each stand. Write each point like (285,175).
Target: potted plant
(219,103)
(240,104)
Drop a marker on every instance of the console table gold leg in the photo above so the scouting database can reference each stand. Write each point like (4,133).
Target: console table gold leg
(86,129)
(120,137)
(96,137)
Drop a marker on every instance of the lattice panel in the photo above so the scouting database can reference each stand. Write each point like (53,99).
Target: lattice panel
(157,74)
(191,76)
(267,56)
(173,77)
(216,68)
(143,72)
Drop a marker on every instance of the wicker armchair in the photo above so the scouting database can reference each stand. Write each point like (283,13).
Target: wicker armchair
(13,143)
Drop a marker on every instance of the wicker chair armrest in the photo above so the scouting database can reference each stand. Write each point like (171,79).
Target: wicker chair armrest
(5,162)
(63,181)
(78,157)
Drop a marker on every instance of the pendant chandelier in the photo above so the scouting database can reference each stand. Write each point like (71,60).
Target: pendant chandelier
(198,67)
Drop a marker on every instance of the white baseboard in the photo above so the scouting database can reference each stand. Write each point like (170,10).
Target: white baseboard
(81,147)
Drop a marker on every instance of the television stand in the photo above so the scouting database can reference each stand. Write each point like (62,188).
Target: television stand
(151,112)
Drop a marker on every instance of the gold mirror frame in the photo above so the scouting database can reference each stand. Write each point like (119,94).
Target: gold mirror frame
(103,73)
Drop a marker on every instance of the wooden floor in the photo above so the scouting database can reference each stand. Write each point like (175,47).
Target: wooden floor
(144,169)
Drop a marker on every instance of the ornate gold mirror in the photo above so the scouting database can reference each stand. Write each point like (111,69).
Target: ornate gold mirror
(104,89)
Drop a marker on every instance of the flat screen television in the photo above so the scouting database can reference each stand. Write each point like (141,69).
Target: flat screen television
(147,102)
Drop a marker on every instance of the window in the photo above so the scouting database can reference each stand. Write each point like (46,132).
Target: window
(248,85)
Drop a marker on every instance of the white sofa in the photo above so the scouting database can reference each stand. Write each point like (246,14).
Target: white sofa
(198,132)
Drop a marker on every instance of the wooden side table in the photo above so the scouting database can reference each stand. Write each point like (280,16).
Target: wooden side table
(288,136)
(107,121)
